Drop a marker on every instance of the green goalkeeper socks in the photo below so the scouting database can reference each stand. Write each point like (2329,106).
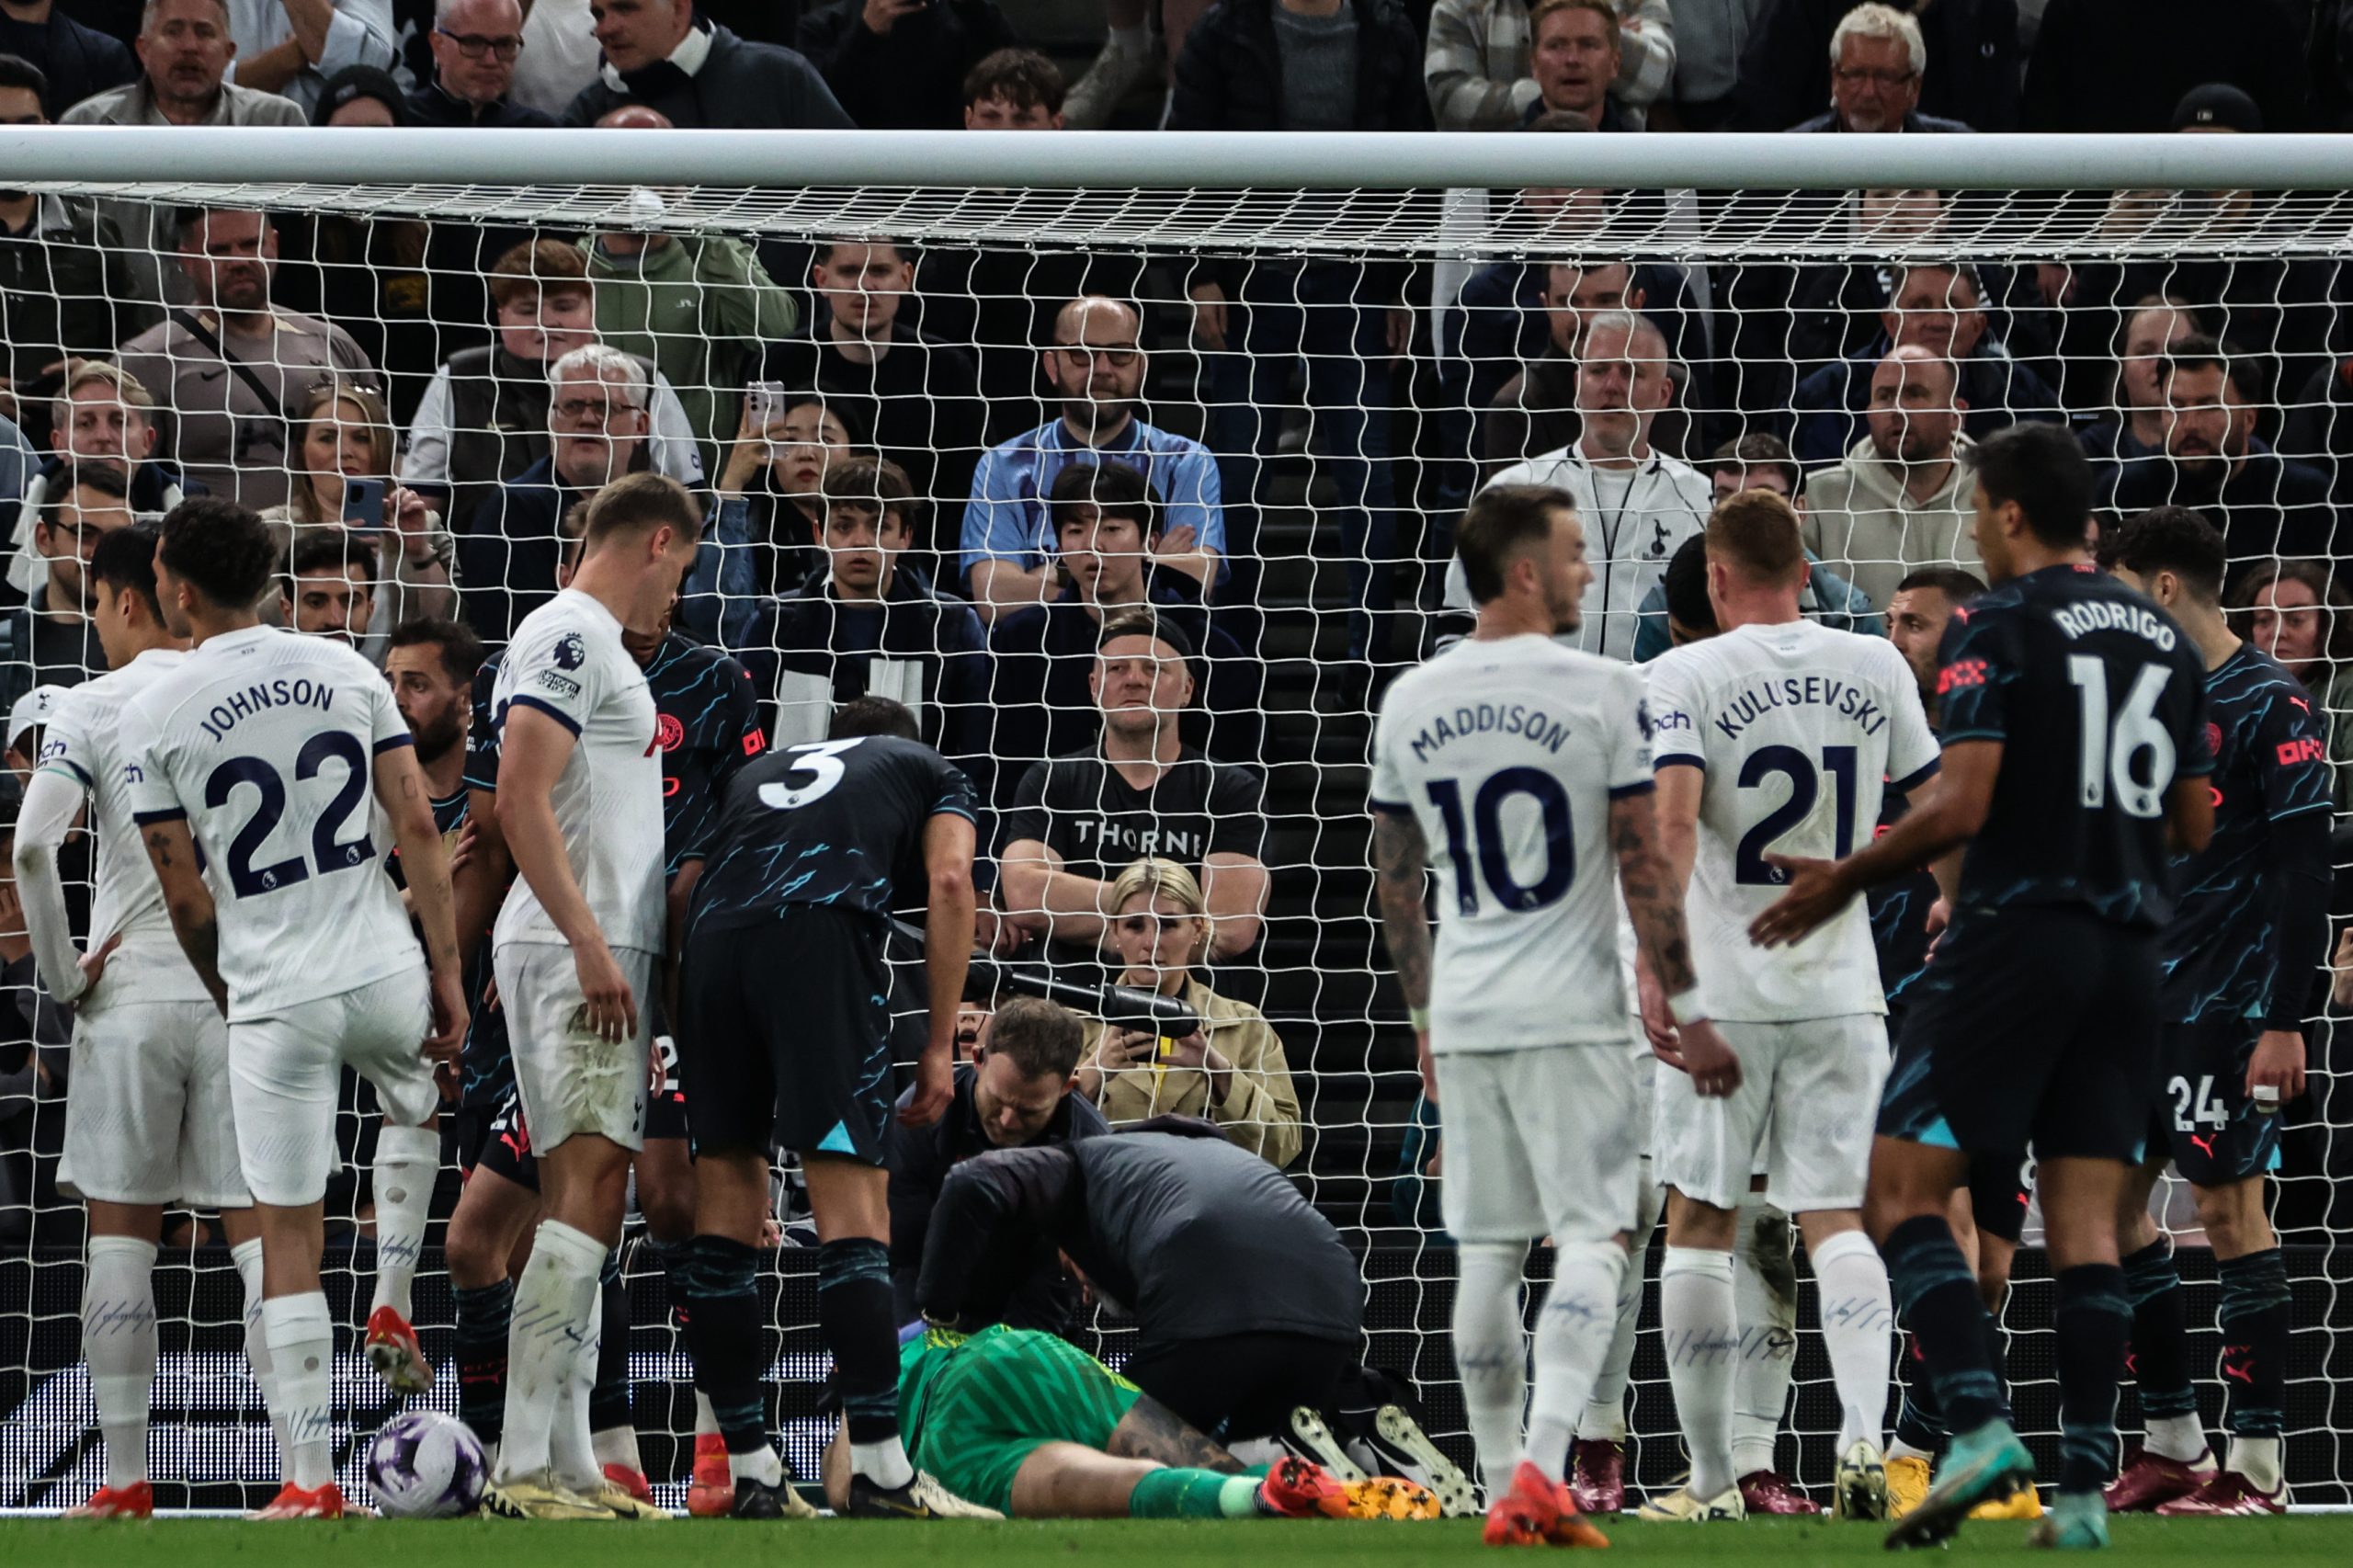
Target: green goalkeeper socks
(1176,1493)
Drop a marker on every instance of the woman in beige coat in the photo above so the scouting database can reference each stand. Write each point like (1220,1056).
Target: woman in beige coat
(1231,1071)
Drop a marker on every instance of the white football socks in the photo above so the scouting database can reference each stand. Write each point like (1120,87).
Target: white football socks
(2257,1458)
(1573,1332)
(2179,1437)
(302,1354)
(1765,1306)
(884,1463)
(571,1448)
(407,1160)
(1491,1352)
(1857,1330)
(554,1306)
(247,1256)
(118,1340)
(1702,1342)
(1605,1407)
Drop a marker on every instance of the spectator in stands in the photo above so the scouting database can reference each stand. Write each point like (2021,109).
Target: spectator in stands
(330,588)
(1638,503)
(1938,306)
(1900,498)
(1231,1070)
(1096,365)
(103,416)
(1968,62)
(292,46)
(1535,410)
(763,538)
(898,64)
(916,397)
(364,96)
(698,306)
(66,289)
(1518,316)
(2136,434)
(1107,528)
(2124,65)
(50,640)
(1479,66)
(2294,611)
(597,426)
(342,453)
(695,71)
(1078,820)
(997,302)
(1877,60)
(1017,1093)
(227,369)
(1579,61)
(871,625)
(76,61)
(2263,504)
(483,418)
(475,45)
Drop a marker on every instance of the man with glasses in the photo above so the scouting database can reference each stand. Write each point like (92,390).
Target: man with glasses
(1876,59)
(50,640)
(1096,366)
(474,44)
(597,424)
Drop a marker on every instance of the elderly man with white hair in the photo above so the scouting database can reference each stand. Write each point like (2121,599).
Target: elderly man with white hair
(597,426)
(1877,58)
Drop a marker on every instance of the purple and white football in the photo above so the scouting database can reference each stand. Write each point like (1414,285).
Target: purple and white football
(426,1465)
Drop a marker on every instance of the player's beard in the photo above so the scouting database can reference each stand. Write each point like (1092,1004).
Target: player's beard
(435,740)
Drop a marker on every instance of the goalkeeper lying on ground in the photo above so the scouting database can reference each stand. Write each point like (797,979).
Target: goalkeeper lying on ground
(1034,1427)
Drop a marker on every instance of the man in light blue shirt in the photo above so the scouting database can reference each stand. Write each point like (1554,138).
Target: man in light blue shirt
(1098,366)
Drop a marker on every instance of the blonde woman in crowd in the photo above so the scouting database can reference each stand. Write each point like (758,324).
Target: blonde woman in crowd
(1231,1071)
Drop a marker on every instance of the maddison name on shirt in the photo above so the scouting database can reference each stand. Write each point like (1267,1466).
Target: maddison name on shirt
(1841,698)
(1491,717)
(299,692)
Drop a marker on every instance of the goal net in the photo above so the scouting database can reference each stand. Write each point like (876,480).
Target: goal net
(1306,354)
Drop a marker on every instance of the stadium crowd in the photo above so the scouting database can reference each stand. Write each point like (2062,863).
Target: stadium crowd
(1036,496)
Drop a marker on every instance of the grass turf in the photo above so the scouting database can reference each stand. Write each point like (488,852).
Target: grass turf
(474,1543)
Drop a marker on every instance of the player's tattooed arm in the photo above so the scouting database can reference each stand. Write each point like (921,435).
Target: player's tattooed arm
(188,901)
(1150,1430)
(1400,865)
(1652,899)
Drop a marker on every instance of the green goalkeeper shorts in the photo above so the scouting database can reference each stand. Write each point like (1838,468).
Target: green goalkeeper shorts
(974,1407)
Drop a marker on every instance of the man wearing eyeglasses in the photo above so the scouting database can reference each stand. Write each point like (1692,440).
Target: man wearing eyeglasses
(50,640)
(1877,57)
(1096,366)
(476,45)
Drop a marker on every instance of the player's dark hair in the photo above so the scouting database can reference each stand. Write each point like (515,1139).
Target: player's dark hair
(1759,448)
(1503,521)
(1139,621)
(1041,1037)
(1022,77)
(639,503)
(873,487)
(126,559)
(1755,533)
(226,552)
(459,644)
(873,716)
(332,552)
(2199,351)
(1113,489)
(18,71)
(1687,604)
(108,479)
(1955,585)
(2042,469)
(2175,540)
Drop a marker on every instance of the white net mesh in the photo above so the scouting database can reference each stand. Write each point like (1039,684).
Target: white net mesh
(1311,383)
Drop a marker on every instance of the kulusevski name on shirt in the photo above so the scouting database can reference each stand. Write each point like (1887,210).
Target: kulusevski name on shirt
(1752,703)
(299,692)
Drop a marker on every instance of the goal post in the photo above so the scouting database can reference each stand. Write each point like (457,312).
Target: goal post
(1338,339)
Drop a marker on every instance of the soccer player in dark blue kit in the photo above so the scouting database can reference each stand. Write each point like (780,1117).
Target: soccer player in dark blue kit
(2074,760)
(2249,932)
(707,727)
(784,1031)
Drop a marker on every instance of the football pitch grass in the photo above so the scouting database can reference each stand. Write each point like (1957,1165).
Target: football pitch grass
(488,1544)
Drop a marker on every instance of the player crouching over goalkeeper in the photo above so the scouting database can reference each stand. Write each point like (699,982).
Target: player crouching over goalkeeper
(1032,1426)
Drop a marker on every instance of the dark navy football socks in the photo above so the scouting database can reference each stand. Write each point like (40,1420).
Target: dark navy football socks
(1938,1296)
(720,1314)
(481,1322)
(2159,1361)
(855,1319)
(609,1397)
(2254,1322)
(2093,1320)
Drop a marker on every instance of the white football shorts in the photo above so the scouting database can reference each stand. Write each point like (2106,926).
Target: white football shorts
(569,1080)
(1542,1142)
(147,1109)
(285,1069)
(1803,1115)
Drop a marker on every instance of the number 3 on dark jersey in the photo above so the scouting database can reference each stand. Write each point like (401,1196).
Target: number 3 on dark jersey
(1486,844)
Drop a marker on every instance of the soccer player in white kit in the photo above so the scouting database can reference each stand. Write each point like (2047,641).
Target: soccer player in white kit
(1519,771)
(147,1120)
(574,949)
(1776,738)
(276,754)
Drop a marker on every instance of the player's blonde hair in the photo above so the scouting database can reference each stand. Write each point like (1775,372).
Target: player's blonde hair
(1155,879)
